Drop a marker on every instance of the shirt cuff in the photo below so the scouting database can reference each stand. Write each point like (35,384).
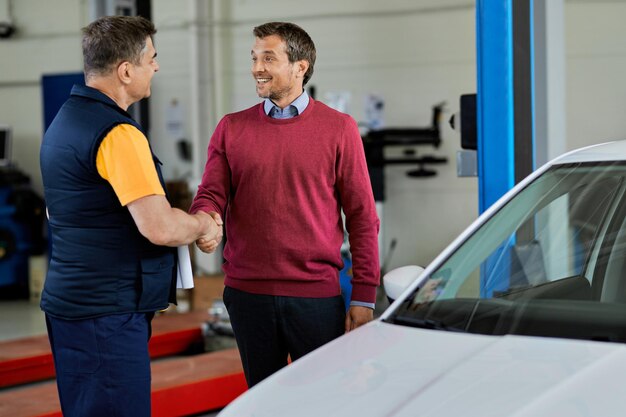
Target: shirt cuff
(362,304)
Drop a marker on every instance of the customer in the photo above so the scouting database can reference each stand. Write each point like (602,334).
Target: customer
(113,260)
(281,172)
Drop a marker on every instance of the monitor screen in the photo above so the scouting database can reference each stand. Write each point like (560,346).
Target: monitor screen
(5,145)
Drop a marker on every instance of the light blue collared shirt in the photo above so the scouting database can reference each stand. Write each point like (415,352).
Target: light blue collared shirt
(294,109)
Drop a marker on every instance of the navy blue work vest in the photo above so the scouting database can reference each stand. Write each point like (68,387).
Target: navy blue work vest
(100,264)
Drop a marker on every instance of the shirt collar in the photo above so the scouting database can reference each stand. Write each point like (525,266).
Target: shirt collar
(300,103)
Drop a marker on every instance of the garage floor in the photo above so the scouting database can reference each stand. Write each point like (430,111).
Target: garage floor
(20,319)
(23,318)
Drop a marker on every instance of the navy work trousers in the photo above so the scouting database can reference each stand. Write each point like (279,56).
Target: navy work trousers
(102,365)
(269,329)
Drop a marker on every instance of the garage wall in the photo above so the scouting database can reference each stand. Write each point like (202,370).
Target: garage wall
(47,42)
(412,53)
(596,64)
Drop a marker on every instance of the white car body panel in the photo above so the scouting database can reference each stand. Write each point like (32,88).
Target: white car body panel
(388,370)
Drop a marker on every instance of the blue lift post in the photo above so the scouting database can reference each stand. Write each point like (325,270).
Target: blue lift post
(504,110)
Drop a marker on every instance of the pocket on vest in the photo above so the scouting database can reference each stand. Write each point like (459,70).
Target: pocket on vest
(156,282)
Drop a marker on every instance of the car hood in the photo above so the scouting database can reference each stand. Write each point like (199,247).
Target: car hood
(388,370)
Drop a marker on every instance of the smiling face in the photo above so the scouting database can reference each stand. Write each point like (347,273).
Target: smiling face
(276,78)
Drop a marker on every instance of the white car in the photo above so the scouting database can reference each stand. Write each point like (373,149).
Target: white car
(523,315)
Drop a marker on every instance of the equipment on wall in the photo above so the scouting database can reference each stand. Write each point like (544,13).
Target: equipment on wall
(7,28)
(464,121)
(375,141)
(21,223)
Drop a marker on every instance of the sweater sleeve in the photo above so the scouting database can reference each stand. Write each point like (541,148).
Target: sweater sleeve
(357,201)
(214,190)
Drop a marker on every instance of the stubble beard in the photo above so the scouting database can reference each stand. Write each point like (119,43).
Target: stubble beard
(273,94)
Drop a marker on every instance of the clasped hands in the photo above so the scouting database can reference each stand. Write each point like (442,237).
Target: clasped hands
(212,236)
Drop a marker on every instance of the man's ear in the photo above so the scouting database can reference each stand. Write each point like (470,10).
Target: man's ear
(124,72)
(302,67)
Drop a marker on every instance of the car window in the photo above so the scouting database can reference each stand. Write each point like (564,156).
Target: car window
(555,252)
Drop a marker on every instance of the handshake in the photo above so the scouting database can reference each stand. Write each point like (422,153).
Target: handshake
(212,231)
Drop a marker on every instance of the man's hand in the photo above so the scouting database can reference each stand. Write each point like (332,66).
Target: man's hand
(209,242)
(358,316)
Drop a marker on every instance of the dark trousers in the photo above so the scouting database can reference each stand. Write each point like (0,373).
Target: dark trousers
(269,329)
(102,365)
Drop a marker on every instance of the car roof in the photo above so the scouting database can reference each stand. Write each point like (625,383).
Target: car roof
(611,151)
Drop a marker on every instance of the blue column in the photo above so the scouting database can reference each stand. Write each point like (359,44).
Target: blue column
(494,100)
(504,112)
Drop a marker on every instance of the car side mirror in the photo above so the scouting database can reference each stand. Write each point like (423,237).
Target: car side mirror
(397,280)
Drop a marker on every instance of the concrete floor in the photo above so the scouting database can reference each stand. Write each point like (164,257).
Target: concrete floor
(23,318)
(20,319)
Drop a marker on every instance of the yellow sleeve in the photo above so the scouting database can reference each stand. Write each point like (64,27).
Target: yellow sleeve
(124,159)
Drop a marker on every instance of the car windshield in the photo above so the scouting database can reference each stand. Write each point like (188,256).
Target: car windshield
(551,262)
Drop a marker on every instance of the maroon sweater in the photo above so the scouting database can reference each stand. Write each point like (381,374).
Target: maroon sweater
(280,185)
